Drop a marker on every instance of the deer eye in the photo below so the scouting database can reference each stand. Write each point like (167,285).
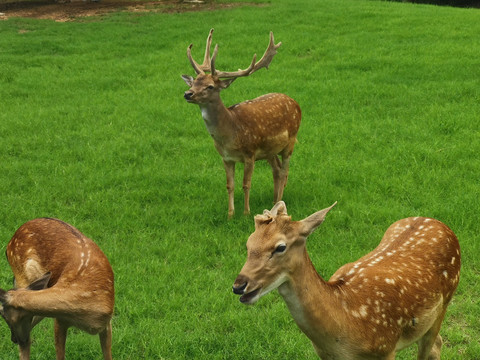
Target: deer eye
(210,87)
(280,248)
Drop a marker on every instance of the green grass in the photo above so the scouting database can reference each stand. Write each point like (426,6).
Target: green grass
(94,130)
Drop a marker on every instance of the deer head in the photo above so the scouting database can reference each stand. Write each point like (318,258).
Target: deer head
(206,87)
(19,321)
(273,250)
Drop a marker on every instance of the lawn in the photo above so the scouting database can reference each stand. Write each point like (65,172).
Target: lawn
(94,130)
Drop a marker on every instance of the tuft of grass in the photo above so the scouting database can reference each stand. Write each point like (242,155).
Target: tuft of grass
(94,130)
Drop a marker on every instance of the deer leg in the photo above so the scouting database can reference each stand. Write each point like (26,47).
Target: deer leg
(429,346)
(230,171)
(436,349)
(247,182)
(60,339)
(106,342)
(283,175)
(24,351)
(276,166)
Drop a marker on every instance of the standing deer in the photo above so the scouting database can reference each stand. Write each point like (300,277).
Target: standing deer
(62,274)
(257,129)
(369,309)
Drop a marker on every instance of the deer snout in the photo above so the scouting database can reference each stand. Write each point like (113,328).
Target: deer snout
(250,295)
(188,95)
(239,289)
(240,285)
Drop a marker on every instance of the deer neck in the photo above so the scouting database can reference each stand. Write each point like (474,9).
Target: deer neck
(216,117)
(314,305)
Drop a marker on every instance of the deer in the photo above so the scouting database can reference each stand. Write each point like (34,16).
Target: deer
(260,129)
(392,297)
(61,274)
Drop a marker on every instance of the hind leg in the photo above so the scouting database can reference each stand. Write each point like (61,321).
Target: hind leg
(106,342)
(276,168)
(283,174)
(436,349)
(430,345)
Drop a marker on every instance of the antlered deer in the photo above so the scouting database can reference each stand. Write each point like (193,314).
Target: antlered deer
(262,128)
(62,274)
(369,309)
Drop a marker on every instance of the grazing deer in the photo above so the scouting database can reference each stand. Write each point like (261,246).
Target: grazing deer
(257,129)
(369,309)
(62,274)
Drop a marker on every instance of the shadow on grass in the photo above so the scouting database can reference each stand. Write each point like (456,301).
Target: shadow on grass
(453,3)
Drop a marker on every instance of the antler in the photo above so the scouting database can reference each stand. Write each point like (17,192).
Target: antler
(264,62)
(209,64)
(200,69)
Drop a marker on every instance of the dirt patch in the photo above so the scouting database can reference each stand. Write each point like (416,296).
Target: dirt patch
(74,10)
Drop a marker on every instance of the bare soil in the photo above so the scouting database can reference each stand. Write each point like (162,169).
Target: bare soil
(75,10)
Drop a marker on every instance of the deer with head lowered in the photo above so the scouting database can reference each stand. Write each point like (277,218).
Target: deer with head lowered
(262,128)
(59,273)
(390,298)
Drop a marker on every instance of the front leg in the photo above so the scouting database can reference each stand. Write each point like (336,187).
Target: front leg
(230,171)
(247,182)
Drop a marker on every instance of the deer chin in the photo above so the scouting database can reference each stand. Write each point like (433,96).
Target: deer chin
(251,297)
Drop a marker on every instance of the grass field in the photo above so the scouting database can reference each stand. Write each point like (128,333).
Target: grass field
(94,130)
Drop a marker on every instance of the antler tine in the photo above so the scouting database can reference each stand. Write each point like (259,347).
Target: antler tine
(195,66)
(212,62)
(264,62)
(200,69)
(224,74)
(268,55)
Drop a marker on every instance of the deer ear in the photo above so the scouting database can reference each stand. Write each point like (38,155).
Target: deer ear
(188,80)
(40,283)
(226,83)
(309,224)
(279,209)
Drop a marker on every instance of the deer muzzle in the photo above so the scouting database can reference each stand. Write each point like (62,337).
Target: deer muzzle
(240,288)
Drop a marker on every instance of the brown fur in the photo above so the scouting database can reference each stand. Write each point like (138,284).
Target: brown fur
(262,128)
(77,290)
(369,309)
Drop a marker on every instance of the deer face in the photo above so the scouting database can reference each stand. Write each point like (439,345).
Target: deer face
(268,254)
(20,324)
(274,251)
(18,320)
(204,89)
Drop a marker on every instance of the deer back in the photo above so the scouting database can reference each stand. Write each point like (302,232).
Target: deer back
(50,245)
(266,125)
(400,288)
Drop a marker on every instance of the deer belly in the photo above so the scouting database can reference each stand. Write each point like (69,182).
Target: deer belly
(254,146)
(230,155)
(419,325)
(272,145)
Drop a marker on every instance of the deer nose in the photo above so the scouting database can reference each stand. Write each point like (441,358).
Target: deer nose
(239,289)
(188,95)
